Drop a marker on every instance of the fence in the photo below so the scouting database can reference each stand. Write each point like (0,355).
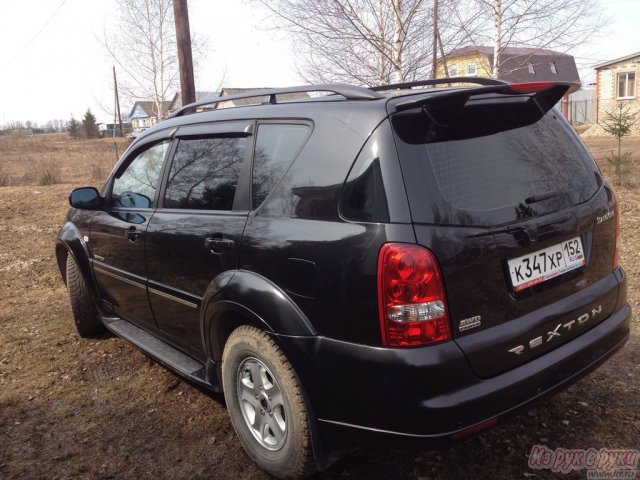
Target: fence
(580,107)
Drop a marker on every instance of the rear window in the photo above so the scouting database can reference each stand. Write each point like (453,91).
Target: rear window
(498,178)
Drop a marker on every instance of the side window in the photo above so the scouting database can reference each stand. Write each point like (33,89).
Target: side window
(276,146)
(204,173)
(364,197)
(136,186)
(626,85)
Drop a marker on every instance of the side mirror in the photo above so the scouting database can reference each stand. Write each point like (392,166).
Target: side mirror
(85,198)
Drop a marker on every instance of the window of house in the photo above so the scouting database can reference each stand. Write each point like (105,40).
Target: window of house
(453,71)
(136,186)
(472,70)
(276,146)
(532,70)
(554,70)
(626,85)
(204,173)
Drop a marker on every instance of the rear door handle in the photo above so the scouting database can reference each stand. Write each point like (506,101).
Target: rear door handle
(218,245)
(132,234)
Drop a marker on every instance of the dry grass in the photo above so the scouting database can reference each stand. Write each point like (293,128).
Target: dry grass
(52,159)
(5,176)
(97,172)
(48,172)
(72,408)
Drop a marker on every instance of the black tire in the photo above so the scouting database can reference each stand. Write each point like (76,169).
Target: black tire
(292,455)
(83,308)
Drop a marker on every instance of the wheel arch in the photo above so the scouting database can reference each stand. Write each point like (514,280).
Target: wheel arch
(248,298)
(243,297)
(70,242)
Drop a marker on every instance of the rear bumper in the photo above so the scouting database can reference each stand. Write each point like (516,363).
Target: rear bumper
(431,392)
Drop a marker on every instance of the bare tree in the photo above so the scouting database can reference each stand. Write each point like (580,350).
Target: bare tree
(538,24)
(370,42)
(363,41)
(143,46)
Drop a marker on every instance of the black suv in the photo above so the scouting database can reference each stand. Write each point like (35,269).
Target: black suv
(396,260)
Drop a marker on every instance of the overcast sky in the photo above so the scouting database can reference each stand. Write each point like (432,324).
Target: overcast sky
(52,65)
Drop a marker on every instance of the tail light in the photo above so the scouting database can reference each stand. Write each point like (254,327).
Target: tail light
(616,252)
(412,303)
(530,87)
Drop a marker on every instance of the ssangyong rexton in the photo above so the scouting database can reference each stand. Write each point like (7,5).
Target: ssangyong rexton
(419,262)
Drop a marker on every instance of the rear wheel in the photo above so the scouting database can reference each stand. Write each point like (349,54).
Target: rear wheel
(83,308)
(266,404)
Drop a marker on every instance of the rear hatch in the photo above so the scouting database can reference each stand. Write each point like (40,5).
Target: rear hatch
(504,193)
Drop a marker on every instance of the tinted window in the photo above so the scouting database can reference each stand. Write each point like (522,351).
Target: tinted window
(204,173)
(505,169)
(364,197)
(136,186)
(276,146)
(498,178)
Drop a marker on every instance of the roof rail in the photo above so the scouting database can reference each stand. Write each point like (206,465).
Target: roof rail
(350,92)
(439,81)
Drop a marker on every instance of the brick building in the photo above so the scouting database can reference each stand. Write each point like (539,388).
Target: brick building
(617,80)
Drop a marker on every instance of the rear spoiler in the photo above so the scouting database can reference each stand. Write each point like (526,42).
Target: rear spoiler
(462,113)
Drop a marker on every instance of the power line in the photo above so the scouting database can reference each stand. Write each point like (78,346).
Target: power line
(28,44)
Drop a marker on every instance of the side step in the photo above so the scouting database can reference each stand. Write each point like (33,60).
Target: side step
(163,353)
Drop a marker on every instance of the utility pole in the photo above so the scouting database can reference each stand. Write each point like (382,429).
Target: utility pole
(185,61)
(117,112)
(434,71)
(115,116)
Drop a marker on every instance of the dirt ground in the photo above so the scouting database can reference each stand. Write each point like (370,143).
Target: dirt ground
(99,409)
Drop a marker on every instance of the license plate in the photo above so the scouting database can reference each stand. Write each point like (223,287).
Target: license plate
(537,267)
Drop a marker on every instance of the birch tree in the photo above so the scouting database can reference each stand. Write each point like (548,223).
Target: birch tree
(143,46)
(370,42)
(363,41)
(560,25)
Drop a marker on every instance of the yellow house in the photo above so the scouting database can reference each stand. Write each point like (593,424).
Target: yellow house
(472,64)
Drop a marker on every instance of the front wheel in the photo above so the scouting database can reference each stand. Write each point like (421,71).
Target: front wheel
(266,404)
(83,309)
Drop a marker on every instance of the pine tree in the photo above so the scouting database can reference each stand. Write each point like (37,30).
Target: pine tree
(73,128)
(89,126)
(618,122)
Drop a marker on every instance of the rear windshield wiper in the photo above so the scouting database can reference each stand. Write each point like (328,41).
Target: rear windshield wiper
(540,196)
(511,230)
